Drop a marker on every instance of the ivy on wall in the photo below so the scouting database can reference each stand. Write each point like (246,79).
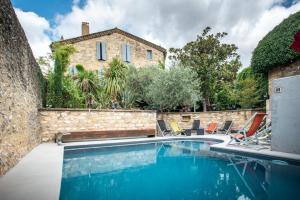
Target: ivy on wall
(273,50)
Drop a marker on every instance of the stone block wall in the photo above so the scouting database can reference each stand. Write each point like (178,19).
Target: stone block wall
(283,71)
(54,121)
(86,52)
(185,120)
(20,95)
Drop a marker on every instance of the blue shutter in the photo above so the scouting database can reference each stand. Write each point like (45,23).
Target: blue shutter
(75,70)
(98,50)
(100,71)
(70,70)
(103,50)
(128,52)
(124,57)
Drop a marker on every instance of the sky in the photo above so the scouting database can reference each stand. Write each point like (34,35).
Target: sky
(169,23)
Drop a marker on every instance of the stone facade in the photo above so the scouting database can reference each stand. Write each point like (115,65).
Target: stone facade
(86,50)
(283,71)
(54,121)
(19,91)
(185,120)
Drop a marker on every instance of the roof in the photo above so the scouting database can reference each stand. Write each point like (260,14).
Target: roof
(109,32)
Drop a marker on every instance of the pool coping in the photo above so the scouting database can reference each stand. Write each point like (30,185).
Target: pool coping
(27,180)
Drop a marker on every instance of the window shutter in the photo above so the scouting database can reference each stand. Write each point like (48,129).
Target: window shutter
(98,50)
(128,53)
(100,72)
(70,70)
(124,57)
(103,51)
(75,70)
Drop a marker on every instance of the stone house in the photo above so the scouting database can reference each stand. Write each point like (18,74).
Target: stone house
(96,50)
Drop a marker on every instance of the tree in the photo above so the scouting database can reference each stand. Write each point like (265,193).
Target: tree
(273,50)
(61,56)
(172,89)
(88,83)
(57,84)
(115,79)
(138,81)
(214,62)
(71,95)
(250,89)
(63,52)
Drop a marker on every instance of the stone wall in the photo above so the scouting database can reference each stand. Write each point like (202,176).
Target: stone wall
(86,52)
(54,121)
(283,71)
(19,91)
(185,120)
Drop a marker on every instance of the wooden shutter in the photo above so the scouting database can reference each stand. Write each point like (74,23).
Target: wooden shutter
(98,50)
(103,51)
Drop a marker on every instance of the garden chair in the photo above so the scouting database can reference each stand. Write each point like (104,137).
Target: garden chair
(226,128)
(212,127)
(162,128)
(176,129)
(196,127)
(249,129)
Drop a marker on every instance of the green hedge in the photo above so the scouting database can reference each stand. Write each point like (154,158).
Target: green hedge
(273,50)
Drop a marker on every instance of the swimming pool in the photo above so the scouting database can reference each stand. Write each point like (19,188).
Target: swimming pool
(173,170)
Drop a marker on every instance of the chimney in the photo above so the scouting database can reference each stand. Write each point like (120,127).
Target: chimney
(85,28)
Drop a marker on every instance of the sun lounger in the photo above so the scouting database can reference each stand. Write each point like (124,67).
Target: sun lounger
(162,128)
(249,129)
(196,127)
(212,127)
(226,128)
(176,129)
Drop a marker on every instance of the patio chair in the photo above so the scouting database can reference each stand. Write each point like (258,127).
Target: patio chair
(249,129)
(162,128)
(176,129)
(226,128)
(196,127)
(212,127)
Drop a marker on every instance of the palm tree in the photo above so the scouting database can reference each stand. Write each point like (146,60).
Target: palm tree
(115,79)
(88,82)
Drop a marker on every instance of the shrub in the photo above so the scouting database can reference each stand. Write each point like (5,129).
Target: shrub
(273,50)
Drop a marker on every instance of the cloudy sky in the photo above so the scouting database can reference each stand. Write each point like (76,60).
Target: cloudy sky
(169,23)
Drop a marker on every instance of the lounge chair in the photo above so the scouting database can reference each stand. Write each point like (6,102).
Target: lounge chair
(176,129)
(212,127)
(249,129)
(226,128)
(196,127)
(162,128)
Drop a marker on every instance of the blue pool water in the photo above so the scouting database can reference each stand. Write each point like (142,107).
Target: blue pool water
(174,170)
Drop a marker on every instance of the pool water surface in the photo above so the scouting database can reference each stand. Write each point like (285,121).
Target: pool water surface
(174,170)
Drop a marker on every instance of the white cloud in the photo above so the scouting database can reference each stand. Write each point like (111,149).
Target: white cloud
(168,23)
(36,29)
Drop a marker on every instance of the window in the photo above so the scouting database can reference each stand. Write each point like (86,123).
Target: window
(126,53)
(72,70)
(100,72)
(149,54)
(101,50)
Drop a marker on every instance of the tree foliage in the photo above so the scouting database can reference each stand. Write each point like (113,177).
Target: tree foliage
(214,62)
(172,88)
(250,89)
(273,50)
